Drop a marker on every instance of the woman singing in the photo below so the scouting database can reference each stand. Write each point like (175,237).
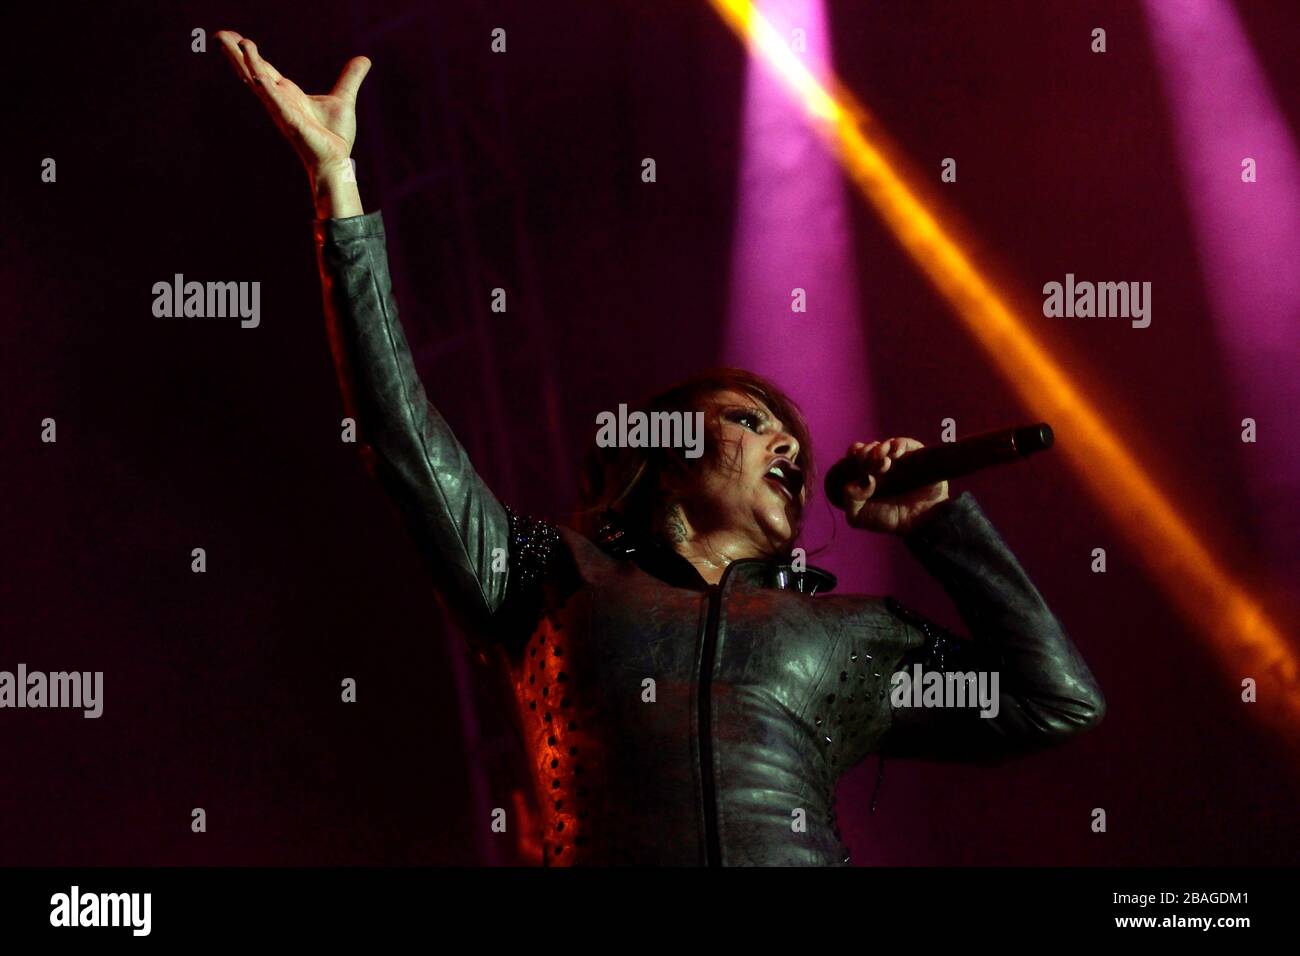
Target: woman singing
(688,691)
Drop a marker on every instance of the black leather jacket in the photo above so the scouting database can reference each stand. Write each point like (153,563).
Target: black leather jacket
(668,721)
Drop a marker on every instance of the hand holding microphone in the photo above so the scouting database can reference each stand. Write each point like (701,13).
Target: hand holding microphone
(863,469)
(887,486)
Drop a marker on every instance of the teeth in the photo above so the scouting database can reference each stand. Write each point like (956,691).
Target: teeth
(776,470)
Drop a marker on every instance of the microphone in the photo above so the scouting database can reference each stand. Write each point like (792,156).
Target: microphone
(935,463)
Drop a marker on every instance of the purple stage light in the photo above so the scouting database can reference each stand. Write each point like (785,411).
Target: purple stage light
(1228,130)
(792,233)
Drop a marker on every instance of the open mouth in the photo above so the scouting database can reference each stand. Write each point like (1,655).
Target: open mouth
(786,477)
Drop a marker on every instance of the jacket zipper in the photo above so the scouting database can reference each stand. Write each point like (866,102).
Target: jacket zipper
(712,849)
(712,845)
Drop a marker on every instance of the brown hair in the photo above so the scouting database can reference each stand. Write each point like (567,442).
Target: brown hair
(625,482)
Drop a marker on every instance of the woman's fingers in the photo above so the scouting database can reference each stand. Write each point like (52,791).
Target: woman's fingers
(256,72)
(354,71)
(259,68)
(869,452)
(860,490)
(893,448)
(889,514)
(880,454)
(271,88)
(229,41)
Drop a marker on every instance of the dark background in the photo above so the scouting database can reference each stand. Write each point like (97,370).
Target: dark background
(222,689)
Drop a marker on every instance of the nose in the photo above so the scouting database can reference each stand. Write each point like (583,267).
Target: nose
(785,444)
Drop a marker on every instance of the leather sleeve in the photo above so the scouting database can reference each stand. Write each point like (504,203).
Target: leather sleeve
(1046,693)
(407,446)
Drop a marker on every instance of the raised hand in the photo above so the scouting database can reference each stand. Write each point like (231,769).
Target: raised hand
(896,515)
(321,128)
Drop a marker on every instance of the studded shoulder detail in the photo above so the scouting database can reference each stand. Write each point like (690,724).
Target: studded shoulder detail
(533,546)
(534,555)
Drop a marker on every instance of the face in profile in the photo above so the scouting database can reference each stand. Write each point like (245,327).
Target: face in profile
(749,482)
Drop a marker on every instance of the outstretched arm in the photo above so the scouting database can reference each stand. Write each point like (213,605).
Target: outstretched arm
(407,445)
(464,532)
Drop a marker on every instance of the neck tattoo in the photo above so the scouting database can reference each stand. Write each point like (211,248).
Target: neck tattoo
(671,528)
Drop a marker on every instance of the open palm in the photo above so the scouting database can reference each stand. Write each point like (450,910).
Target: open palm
(321,128)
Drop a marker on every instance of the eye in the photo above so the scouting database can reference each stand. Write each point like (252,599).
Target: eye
(751,419)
